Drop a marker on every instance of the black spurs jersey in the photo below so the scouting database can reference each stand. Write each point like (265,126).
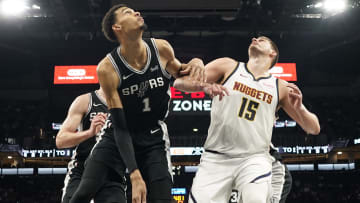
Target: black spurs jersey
(82,151)
(145,94)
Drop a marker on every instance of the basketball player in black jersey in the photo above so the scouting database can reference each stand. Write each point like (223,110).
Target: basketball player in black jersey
(86,116)
(135,77)
(281,180)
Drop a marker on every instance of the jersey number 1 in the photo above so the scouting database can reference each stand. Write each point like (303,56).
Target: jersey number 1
(146,102)
(251,108)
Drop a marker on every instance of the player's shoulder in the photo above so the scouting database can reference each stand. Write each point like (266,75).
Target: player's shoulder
(225,65)
(83,99)
(164,48)
(81,103)
(224,62)
(161,42)
(104,66)
(104,62)
(282,89)
(282,83)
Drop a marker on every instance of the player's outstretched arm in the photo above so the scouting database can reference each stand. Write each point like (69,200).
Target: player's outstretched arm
(67,136)
(109,81)
(291,101)
(194,68)
(216,71)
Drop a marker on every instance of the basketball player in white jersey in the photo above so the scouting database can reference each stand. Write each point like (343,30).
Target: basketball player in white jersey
(237,147)
(281,180)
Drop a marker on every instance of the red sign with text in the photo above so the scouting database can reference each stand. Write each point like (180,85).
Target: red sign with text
(75,75)
(285,71)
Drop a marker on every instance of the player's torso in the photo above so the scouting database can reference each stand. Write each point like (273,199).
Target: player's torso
(96,106)
(242,123)
(145,94)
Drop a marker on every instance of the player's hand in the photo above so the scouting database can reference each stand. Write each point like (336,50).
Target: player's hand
(216,90)
(295,96)
(138,187)
(195,69)
(97,123)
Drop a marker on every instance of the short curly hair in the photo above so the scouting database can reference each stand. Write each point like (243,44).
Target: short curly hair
(108,21)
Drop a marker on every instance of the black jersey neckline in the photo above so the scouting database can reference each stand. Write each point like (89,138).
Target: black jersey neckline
(132,69)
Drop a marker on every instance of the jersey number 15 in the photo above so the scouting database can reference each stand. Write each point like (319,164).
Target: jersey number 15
(250,106)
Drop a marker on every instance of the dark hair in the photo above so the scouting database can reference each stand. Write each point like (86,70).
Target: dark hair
(108,21)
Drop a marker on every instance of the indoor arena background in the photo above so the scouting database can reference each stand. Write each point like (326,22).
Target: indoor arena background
(319,44)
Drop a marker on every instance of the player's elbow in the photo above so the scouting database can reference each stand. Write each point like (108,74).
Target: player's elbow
(315,130)
(59,142)
(177,84)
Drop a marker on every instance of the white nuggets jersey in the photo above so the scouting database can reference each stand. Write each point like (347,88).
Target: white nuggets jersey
(242,123)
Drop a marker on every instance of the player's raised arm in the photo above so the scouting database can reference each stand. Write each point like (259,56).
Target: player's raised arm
(216,71)
(194,69)
(67,136)
(190,77)
(109,81)
(219,69)
(291,101)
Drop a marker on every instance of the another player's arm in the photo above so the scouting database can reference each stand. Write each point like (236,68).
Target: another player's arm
(109,81)
(291,101)
(216,72)
(190,77)
(67,136)
(194,68)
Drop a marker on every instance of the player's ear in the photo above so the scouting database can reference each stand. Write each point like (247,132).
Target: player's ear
(116,27)
(273,53)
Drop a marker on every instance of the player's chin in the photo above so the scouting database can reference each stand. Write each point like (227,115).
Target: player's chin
(143,27)
(255,49)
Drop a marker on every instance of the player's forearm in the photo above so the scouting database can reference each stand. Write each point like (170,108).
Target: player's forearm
(71,139)
(196,60)
(123,139)
(186,84)
(309,121)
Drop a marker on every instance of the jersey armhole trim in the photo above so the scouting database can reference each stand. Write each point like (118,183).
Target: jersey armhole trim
(99,97)
(115,67)
(81,127)
(163,70)
(234,70)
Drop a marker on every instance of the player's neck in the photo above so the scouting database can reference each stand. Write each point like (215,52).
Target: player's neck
(258,66)
(134,52)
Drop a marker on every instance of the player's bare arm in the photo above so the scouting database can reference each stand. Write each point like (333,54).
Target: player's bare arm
(290,98)
(109,81)
(216,72)
(219,69)
(195,67)
(67,136)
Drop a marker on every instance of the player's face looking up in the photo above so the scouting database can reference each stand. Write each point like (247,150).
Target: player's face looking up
(264,46)
(128,20)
